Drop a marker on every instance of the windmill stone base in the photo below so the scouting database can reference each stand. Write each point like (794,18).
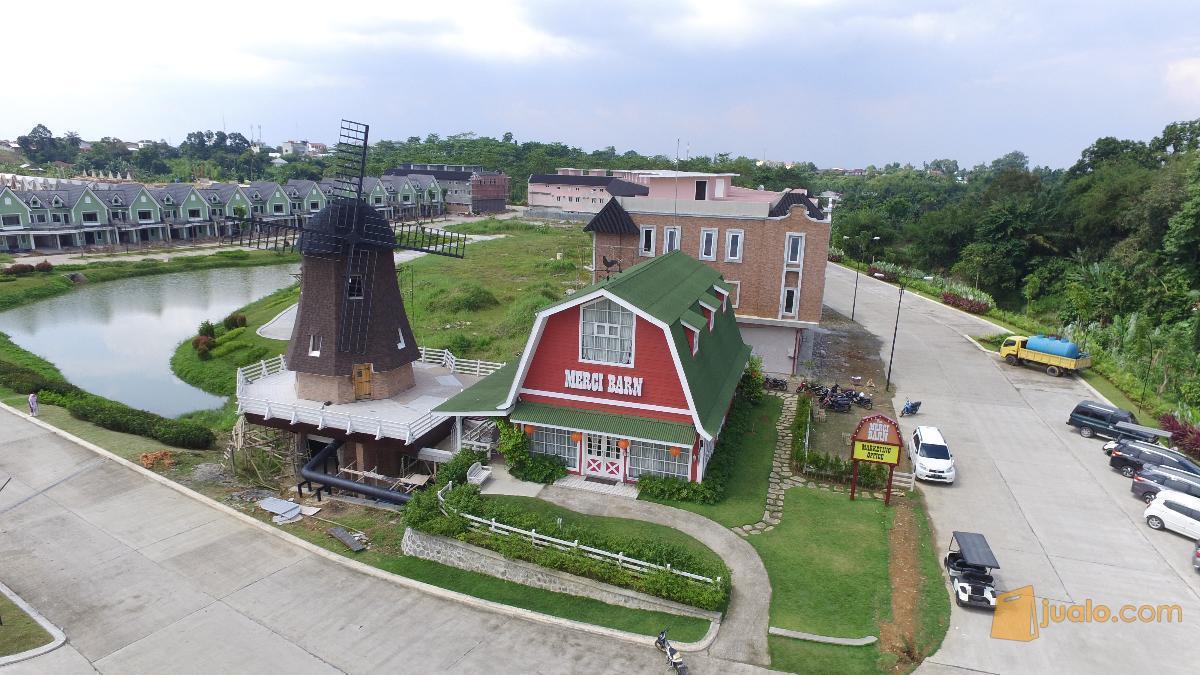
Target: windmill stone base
(340,388)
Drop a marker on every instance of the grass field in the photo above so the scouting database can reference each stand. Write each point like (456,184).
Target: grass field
(612,527)
(746,491)
(385,534)
(933,613)
(20,632)
(479,307)
(828,563)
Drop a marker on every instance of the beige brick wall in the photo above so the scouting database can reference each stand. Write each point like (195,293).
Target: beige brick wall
(760,271)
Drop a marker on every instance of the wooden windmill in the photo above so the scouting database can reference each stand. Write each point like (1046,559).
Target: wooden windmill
(351,339)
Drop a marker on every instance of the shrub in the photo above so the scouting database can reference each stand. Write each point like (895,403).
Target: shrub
(456,469)
(44,266)
(965,304)
(886,275)
(207,329)
(1184,436)
(469,297)
(712,489)
(555,266)
(203,344)
(19,269)
(840,470)
(514,447)
(836,254)
(540,469)
(234,320)
(800,428)
(750,387)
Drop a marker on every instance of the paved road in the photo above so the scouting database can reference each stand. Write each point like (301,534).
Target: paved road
(1057,517)
(143,579)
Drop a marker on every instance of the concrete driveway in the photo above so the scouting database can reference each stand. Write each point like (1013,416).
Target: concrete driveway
(1057,517)
(144,579)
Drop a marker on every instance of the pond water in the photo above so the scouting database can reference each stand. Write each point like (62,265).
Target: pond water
(116,339)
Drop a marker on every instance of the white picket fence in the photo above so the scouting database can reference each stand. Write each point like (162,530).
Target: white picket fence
(446,358)
(257,371)
(632,564)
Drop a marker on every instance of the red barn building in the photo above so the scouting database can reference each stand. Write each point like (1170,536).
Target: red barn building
(628,377)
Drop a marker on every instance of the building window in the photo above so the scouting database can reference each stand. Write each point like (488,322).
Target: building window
(314,206)
(144,216)
(657,460)
(733,246)
(277,208)
(606,333)
(40,218)
(735,293)
(354,287)
(314,345)
(789,301)
(646,239)
(11,220)
(708,244)
(56,218)
(795,249)
(701,190)
(556,443)
(400,342)
(193,214)
(670,239)
(90,217)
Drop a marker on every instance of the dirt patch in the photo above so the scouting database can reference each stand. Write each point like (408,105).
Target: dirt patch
(898,636)
(843,349)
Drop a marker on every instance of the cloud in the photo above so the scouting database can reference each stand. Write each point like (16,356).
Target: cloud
(1182,79)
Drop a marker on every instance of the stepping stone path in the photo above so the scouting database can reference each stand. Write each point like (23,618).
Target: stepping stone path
(782,478)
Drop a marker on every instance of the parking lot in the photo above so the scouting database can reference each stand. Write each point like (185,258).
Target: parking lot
(1056,516)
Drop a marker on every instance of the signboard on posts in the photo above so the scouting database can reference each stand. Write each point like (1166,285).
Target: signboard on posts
(875,440)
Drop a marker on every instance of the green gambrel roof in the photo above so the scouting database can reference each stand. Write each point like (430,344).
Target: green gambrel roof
(482,397)
(621,426)
(664,287)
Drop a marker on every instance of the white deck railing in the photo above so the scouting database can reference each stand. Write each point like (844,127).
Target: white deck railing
(632,564)
(446,358)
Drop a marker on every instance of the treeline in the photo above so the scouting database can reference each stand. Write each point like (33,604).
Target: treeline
(1107,250)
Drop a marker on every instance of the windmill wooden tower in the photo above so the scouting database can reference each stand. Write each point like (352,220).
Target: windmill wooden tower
(351,339)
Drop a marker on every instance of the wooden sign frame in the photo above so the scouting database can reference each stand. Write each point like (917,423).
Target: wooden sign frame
(876,440)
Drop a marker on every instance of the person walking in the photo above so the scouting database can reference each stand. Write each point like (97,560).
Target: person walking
(33,404)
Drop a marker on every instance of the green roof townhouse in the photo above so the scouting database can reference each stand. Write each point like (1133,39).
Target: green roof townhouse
(221,203)
(135,213)
(15,221)
(305,196)
(70,217)
(376,194)
(429,194)
(402,194)
(185,211)
(269,199)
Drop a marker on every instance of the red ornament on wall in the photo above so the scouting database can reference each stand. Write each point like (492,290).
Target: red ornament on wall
(674,452)
(530,429)
(576,436)
(623,444)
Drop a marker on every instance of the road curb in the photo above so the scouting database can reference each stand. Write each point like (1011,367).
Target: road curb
(58,637)
(824,639)
(437,591)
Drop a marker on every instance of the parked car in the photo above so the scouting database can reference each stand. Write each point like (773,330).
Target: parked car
(1176,512)
(1152,479)
(1131,457)
(1128,431)
(1099,419)
(930,456)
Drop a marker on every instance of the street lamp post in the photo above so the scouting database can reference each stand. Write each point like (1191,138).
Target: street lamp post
(854,302)
(895,330)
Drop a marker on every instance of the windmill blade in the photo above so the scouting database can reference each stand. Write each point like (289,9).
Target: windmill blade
(264,235)
(431,240)
(350,160)
(356,298)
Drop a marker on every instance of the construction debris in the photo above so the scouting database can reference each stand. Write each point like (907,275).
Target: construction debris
(353,541)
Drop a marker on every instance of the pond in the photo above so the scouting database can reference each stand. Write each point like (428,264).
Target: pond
(116,339)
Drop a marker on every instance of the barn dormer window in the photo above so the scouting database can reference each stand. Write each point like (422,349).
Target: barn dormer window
(606,333)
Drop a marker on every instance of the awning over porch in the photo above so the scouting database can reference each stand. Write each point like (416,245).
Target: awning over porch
(621,426)
(482,398)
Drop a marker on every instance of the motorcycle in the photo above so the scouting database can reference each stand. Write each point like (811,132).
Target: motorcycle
(910,407)
(836,403)
(862,400)
(674,657)
(775,384)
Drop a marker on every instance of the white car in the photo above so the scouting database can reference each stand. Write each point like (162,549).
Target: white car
(930,456)
(1175,511)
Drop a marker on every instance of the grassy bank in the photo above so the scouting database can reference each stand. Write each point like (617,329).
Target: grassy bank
(933,612)
(746,490)
(828,564)
(385,535)
(479,307)
(20,632)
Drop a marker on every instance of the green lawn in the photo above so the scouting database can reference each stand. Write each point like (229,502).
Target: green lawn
(612,527)
(20,632)
(933,614)
(479,307)
(828,564)
(385,534)
(746,493)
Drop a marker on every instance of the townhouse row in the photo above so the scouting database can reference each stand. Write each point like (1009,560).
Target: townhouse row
(107,214)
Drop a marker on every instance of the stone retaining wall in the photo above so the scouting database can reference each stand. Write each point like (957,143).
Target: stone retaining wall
(475,559)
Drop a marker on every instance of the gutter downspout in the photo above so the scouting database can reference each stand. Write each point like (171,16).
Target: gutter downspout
(312,473)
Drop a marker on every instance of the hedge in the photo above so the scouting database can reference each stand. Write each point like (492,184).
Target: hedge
(422,513)
(103,412)
(824,465)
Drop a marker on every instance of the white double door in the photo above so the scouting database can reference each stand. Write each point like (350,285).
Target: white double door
(602,457)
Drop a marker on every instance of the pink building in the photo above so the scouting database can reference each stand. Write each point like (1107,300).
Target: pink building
(575,193)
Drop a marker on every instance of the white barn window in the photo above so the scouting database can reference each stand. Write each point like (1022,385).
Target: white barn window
(606,333)
(656,460)
(556,443)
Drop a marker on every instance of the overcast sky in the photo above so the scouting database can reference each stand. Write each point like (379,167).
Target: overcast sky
(837,82)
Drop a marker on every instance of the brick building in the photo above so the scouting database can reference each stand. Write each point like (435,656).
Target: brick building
(631,376)
(464,188)
(772,254)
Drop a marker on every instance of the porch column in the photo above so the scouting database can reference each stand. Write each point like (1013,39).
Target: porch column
(457,433)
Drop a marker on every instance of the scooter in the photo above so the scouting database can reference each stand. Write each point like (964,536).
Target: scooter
(674,657)
(910,407)
(862,400)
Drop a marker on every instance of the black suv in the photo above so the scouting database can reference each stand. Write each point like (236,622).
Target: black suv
(1130,457)
(1093,419)
(1150,480)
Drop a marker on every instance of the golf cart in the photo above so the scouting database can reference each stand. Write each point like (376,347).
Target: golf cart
(969,563)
